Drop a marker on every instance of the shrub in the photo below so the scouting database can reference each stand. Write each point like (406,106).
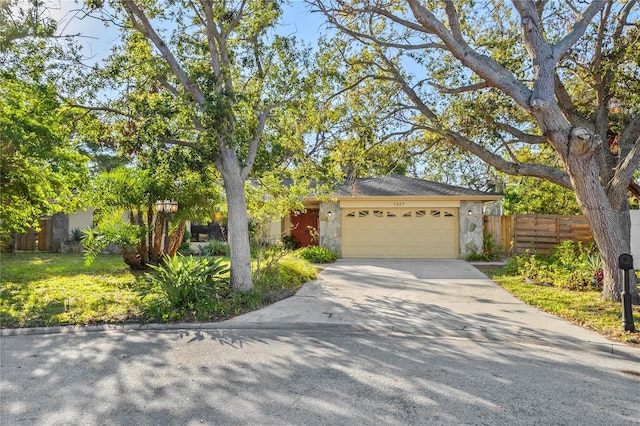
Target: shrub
(214,248)
(490,250)
(315,254)
(186,280)
(76,235)
(294,272)
(287,273)
(185,246)
(289,242)
(569,265)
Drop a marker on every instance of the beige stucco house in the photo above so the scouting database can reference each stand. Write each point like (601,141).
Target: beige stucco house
(393,217)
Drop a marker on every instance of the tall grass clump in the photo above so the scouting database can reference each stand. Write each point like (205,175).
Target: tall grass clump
(187,283)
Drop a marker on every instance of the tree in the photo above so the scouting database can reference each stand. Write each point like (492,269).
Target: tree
(530,195)
(41,172)
(133,192)
(499,77)
(227,73)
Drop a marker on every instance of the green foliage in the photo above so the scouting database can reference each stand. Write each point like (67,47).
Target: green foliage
(44,289)
(538,196)
(76,235)
(185,246)
(528,195)
(40,172)
(584,307)
(96,239)
(52,288)
(490,250)
(295,272)
(134,191)
(316,254)
(285,273)
(214,248)
(224,90)
(289,242)
(187,281)
(570,265)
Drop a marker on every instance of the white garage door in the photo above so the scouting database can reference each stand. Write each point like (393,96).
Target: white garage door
(400,232)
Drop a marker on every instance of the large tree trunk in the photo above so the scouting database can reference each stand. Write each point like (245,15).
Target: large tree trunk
(609,219)
(238,223)
(612,231)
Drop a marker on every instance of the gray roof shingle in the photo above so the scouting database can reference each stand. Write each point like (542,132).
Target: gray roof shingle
(397,186)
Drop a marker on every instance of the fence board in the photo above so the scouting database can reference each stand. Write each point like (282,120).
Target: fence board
(518,233)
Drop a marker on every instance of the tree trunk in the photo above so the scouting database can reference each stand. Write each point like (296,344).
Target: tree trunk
(158,236)
(238,223)
(175,238)
(609,220)
(612,230)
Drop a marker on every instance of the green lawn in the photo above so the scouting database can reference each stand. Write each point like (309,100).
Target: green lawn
(586,308)
(42,289)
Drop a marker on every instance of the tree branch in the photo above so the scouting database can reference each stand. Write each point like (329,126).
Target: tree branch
(457,90)
(102,109)
(213,41)
(566,103)
(173,141)
(579,27)
(629,158)
(550,173)
(520,135)
(485,67)
(255,141)
(145,27)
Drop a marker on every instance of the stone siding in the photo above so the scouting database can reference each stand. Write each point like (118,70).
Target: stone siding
(470,228)
(330,227)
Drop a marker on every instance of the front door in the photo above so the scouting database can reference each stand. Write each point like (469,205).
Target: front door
(304,228)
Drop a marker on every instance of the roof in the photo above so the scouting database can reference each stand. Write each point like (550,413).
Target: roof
(404,186)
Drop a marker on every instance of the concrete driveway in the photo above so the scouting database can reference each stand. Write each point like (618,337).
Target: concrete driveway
(433,297)
(371,342)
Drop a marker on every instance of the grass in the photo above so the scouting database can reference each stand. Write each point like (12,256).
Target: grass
(585,308)
(47,289)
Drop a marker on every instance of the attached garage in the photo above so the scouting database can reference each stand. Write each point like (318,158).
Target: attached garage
(402,217)
(419,232)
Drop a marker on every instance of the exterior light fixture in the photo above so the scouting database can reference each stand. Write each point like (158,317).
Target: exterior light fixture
(165,208)
(470,213)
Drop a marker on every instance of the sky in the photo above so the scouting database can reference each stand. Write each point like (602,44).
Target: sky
(98,40)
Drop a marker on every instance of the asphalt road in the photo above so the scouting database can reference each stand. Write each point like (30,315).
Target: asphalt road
(370,343)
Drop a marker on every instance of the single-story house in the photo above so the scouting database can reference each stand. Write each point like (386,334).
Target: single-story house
(393,217)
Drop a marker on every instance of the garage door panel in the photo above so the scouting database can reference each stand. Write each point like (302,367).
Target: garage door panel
(400,233)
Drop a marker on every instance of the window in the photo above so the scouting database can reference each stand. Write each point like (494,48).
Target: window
(407,214)
(351,214)
(363,213)
(435,213)
(378,213)
(391,214)
(421,213)
(448,214)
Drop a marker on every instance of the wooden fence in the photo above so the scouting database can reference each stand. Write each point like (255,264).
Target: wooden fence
(32,239)
(535,232)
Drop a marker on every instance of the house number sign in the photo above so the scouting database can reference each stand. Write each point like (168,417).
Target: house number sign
(398,203)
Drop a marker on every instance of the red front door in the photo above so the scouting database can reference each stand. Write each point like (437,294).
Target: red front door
(304,228)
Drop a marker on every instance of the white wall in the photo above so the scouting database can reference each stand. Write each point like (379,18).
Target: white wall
(635,237)
(82,219)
